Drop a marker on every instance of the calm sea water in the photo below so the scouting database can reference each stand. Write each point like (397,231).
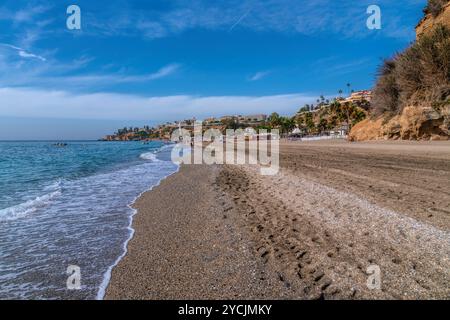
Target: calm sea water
(62,206)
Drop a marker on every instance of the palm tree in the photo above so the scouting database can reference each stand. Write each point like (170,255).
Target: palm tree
(287,124)
(323,124)
(348,106)
(309,122)
(304,109)
(349,88)
(274,120)
(340,93)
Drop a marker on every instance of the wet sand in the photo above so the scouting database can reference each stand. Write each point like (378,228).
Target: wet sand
(187,246)
(310,232)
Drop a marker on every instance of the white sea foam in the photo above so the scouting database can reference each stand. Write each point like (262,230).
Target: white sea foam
(28,207)
(85,221)
(54,186)
(107,275)
(149,156)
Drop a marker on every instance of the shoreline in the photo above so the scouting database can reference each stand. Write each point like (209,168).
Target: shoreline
(210,232)
(107,275)
(123,285)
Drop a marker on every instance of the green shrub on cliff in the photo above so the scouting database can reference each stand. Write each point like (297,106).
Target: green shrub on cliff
(386,92)
(418,76)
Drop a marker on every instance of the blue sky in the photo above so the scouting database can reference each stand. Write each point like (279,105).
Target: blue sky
(136,62)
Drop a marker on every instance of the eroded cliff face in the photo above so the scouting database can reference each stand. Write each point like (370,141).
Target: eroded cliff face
(427,24)
(414,123)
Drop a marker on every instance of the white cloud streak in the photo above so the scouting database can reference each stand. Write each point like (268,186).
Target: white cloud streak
(35,103)
(101,79)
(239,20)
(56,75)
(25,15)
(23,53)
(259,75)
(343,19)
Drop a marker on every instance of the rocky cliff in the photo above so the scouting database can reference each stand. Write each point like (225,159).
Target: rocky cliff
(429,22)
(414,123)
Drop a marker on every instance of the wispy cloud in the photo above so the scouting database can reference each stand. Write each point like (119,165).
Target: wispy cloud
(112,78)
(27,14)
(345,68)
(259,75)
(340,19)
(90,80)
(17,102)
(239,20)
(164,71)
(337,18)
(339,66)
(28,24)
(23,53)
(60,75)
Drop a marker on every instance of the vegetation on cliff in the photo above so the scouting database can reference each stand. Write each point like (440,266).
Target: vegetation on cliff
(411,99)
(418,76)
(434,7)
(329,117)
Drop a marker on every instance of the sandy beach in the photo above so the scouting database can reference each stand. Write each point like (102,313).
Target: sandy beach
(310,232)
